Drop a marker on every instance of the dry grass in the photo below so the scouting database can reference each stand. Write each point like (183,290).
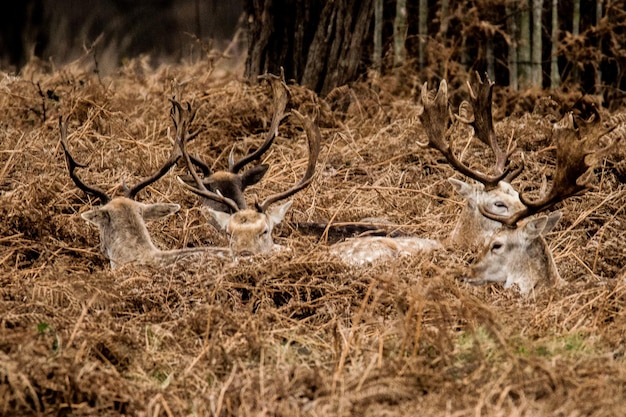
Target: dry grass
(297,333)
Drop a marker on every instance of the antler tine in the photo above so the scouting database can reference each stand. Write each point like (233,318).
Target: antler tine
(573,173)
(203,192)
(72,165)
(281,96)
(314,138)
(182,118)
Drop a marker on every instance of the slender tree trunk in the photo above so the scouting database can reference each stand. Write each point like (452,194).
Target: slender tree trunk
(399,33)
(537,70)
(598,81)
(514,36)
(576,32)
(422,31)
(555,77)
(378,35)
(524,46)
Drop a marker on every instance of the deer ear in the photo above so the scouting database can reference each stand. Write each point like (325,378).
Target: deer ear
(462,188)
(553,219)
(277,214)
(534,228)
(96,216)
(220,217)
(253,175)
(158,210)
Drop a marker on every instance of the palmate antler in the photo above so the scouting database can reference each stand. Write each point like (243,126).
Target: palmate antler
(575,161)
(99,193)
(477,113)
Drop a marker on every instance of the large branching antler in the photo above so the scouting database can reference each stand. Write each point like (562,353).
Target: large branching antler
(435,118)
(314,139)
(281,95)
(72,165)
(182,118)
(481,99)
(575,161)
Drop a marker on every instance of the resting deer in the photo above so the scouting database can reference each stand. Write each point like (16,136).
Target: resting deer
(232,183)
(518,253)
(250,230)
(124,237)
(491,190)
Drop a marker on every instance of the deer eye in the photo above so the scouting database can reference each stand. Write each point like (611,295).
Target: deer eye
(496,246)
(265,232)
(499,204)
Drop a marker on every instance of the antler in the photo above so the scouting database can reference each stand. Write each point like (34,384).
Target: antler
(182,118)
(573,172)
(435,119)
(281,96)
(314,138)
(72,165)
(481,100)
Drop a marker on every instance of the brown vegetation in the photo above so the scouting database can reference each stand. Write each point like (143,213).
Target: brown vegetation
(295,333)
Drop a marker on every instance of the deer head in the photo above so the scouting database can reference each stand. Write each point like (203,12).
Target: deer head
(491,190)
(124,237)
(250,230)
(518,253)
(233,182)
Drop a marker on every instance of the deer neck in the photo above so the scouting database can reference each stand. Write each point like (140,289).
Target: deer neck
(126,238)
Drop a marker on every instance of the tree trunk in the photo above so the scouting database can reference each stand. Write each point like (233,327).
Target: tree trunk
(320,44)
(555,77)
(422,32)
(377,55)
(514,35)
(399,33)
(524,46)
(598,81)
(537,70)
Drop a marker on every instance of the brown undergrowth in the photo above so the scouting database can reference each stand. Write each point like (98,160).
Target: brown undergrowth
(296,333)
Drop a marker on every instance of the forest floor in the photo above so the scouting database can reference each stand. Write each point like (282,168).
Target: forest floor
(296,333)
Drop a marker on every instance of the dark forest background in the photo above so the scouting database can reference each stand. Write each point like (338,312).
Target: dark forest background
(569,45)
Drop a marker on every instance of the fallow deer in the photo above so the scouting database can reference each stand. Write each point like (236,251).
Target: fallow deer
(232,183)
(491,190)
(250,230)
(124,237)
(518,254)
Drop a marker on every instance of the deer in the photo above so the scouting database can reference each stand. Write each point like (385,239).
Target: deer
(121,220)
(518,255)
(232,183)
(250,229)
(493,191)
